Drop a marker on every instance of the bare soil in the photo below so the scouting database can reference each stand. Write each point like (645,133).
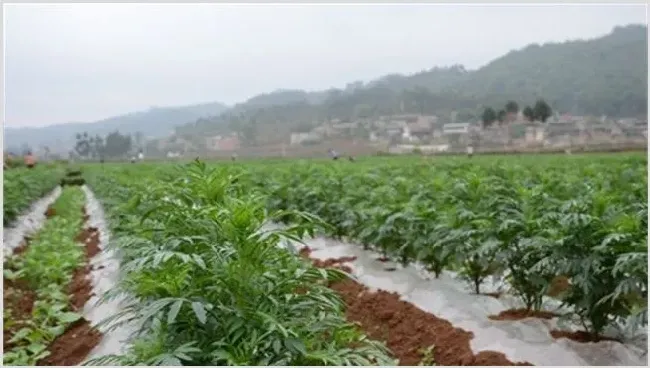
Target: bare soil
(521,313)
(580,336)
(51,212)
(20,249)
(73,346)
(406,329)
(19,299)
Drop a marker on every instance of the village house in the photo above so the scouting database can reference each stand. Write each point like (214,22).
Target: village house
(420,130)
(535,134)
(222,143)
(175,143)
(456,128)
(300,138)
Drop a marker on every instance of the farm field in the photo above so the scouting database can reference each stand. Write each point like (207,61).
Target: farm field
(495,260)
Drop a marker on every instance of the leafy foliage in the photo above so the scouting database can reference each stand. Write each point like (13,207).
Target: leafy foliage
(209,284)
(205,274)
(527,221)
(23,186)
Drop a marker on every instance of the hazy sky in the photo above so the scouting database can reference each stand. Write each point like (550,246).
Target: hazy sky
(84,62)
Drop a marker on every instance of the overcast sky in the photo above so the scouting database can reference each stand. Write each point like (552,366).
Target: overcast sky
(84,62)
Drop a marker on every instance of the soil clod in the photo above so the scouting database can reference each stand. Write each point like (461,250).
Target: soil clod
(580,336)
(51,212)
(517,314)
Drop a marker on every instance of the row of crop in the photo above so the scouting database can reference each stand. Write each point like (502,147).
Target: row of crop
(583,221)
(41,275)
(207,282)
(22,186)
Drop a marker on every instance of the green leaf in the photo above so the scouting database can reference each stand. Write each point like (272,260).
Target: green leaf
(173,311)
(296,345)
(21,334)
(68,317)
(36,348)
(199,311)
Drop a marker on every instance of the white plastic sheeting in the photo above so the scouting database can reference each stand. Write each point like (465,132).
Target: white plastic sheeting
(449,298)
(27,223)
(105,275)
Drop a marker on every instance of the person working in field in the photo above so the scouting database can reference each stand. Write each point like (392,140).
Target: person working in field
(30,160)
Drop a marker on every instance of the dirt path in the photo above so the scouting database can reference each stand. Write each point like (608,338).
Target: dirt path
(412,335)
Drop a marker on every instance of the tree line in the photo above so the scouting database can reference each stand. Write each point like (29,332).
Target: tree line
(540,111)
(113,145)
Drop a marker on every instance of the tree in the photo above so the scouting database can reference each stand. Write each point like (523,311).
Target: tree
(512,107)
(542,110)
(117,145)
(501,116)
(529,114)
(489,116)
(82,146)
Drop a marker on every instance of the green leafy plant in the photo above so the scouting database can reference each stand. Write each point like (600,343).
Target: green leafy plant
(47,267)
(210,286)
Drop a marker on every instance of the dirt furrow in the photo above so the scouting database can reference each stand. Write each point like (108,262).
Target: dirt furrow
(412,335)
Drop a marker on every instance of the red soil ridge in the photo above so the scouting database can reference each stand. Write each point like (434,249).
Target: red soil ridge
(407,330)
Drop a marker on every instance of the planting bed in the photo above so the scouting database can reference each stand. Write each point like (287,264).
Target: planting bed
(28,223)
(412,335)
(45,288)
(455,262)
(22,187)
(50,255)
(467,317)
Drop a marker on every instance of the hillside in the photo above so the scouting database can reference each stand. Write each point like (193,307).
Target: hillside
(608,75)
(605,75)
(601,76)
(153,123)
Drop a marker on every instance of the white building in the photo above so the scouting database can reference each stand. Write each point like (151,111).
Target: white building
(455,128)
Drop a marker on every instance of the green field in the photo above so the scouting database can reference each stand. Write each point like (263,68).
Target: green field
(214,289)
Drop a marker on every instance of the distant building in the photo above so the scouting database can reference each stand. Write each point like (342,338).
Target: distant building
(297,138)
(535,135)
(455,128)
(344,126)
(300,138)
(421,129)
(222,143)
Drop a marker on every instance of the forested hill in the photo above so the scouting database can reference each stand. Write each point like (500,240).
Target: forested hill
(608,75)
(601,76)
